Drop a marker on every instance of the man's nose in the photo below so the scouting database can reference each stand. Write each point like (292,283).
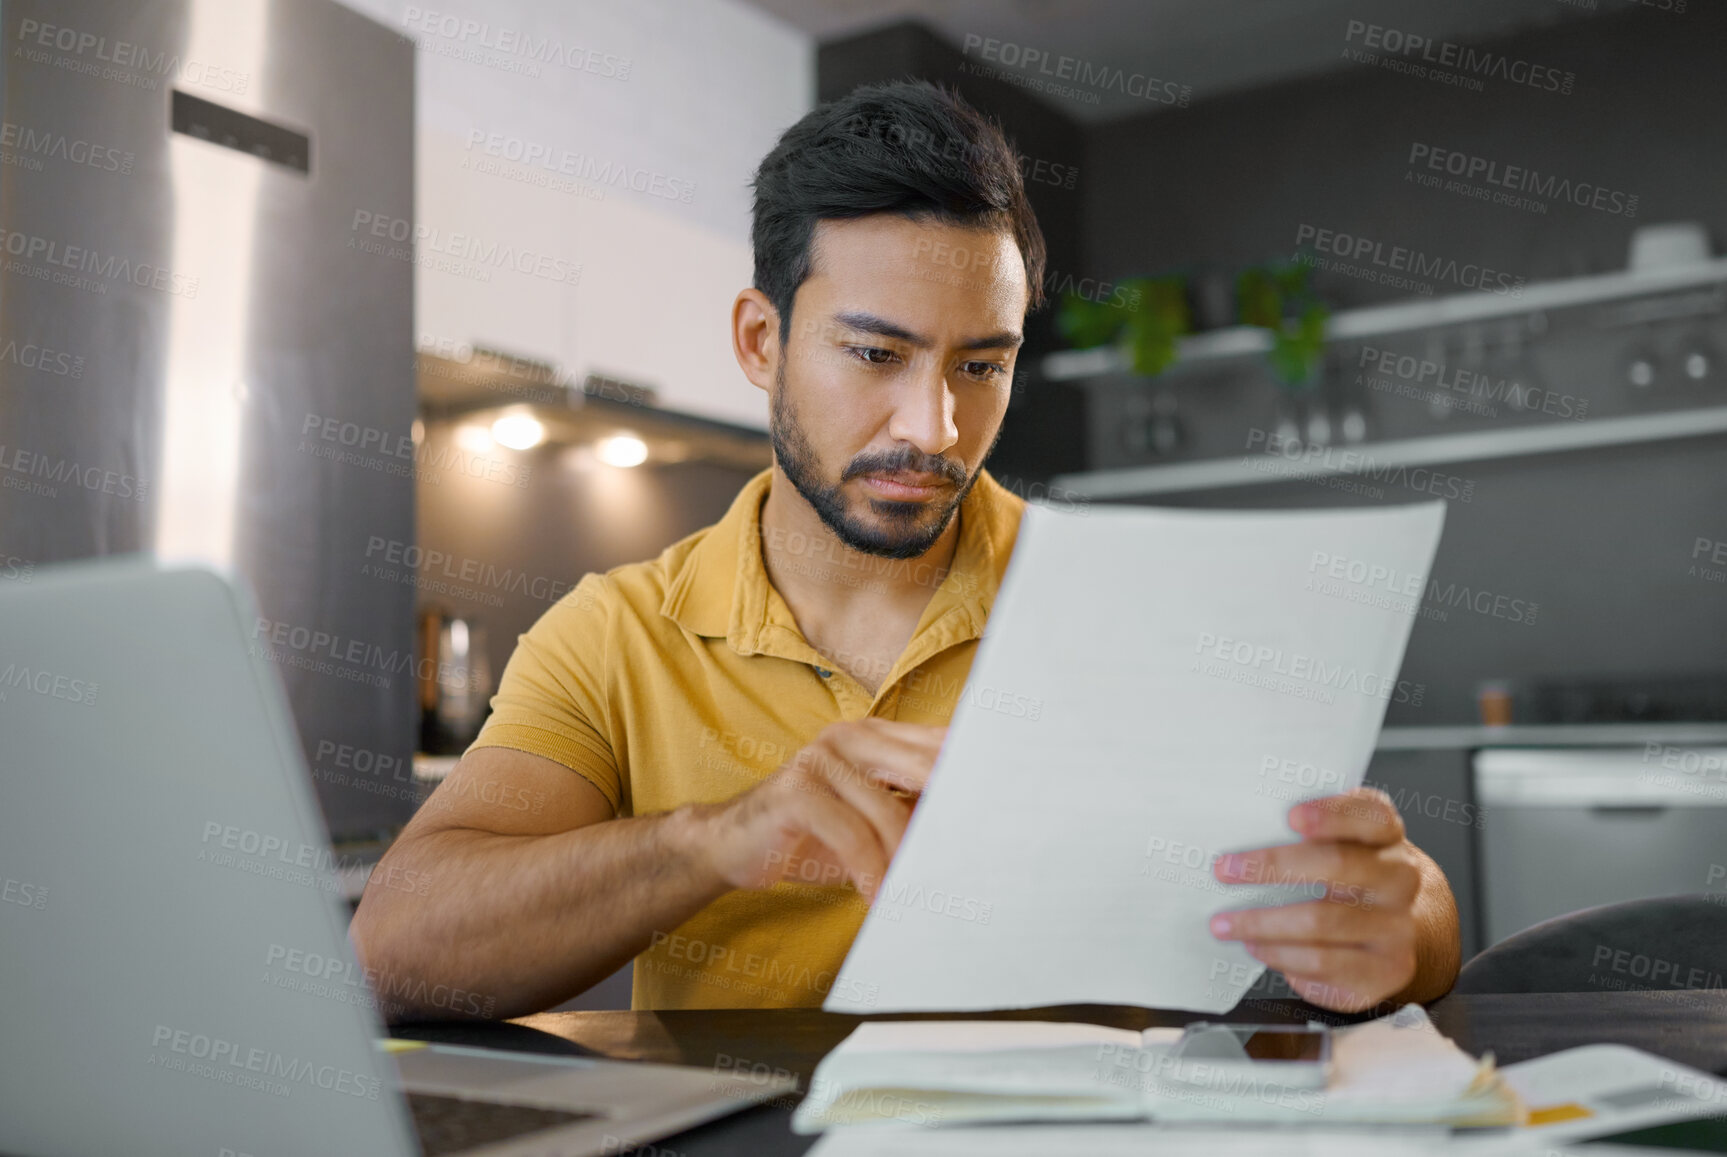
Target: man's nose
(923,414)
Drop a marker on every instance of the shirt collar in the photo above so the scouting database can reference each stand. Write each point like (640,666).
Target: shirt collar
(721,588)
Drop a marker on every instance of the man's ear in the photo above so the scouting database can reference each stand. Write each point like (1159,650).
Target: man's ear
(756,337)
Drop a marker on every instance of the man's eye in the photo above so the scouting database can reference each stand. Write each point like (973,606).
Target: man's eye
(983,369)
(869,354)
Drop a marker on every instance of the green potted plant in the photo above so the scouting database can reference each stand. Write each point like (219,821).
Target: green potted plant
(1145,317)
(1278,296)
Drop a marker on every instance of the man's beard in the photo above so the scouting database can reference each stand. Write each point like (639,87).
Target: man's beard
(904,536)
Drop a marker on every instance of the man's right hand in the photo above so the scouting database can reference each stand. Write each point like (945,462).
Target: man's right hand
(835,811)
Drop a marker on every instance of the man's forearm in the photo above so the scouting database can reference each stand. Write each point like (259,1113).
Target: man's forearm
(524,922)
(1438,953)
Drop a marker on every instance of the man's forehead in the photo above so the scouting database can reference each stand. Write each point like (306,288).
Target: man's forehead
(915,281)
(891,239)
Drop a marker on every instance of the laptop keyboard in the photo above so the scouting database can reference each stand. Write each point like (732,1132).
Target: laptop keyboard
(454,1125)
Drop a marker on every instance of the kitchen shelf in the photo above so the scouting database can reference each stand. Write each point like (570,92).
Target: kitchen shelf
(1407,317)
(1465,737)
(1248,469)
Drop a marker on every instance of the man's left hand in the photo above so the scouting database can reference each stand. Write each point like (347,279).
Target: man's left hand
(1355,945)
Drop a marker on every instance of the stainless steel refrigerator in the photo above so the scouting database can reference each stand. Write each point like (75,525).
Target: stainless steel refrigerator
(206,334)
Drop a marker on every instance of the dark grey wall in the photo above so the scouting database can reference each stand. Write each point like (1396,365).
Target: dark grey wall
(1602,540)
(1228,182)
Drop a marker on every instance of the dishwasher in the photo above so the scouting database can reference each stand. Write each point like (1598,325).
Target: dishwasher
(1570,828)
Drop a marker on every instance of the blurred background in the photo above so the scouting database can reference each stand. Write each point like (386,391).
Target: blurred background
(415,315)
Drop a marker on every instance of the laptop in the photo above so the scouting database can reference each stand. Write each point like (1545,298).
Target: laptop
(175,973)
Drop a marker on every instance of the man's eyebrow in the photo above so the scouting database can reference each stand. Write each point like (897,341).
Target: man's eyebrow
(881,326)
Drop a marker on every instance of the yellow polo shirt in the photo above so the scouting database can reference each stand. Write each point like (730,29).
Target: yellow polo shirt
(686,680)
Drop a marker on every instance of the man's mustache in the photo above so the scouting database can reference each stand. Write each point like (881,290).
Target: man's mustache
(907,460)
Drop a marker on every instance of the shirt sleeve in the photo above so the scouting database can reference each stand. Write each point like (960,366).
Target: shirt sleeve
(551,700)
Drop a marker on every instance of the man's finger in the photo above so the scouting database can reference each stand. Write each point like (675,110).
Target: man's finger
(1364,816)
(1327,994)
(1316,921)
(844,832)
(1356,977)
(1350,874)
(884,755)
(886,813)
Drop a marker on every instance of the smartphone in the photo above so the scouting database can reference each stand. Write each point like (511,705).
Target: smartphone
(1294,1056)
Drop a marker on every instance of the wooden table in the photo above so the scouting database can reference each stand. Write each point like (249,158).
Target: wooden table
(1686,1026)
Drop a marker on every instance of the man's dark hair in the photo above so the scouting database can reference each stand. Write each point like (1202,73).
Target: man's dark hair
(908,148)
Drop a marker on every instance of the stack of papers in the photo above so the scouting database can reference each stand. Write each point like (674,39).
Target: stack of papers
(945,1089)
(1395,1070)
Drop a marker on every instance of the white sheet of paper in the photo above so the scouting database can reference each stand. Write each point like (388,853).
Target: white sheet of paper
(1155,688)
(1096,1140)
(1621,1087)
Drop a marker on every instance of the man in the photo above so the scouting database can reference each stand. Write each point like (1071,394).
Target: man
(705,762)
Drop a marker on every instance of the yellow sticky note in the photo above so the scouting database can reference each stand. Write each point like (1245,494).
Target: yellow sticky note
(1553,1114)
